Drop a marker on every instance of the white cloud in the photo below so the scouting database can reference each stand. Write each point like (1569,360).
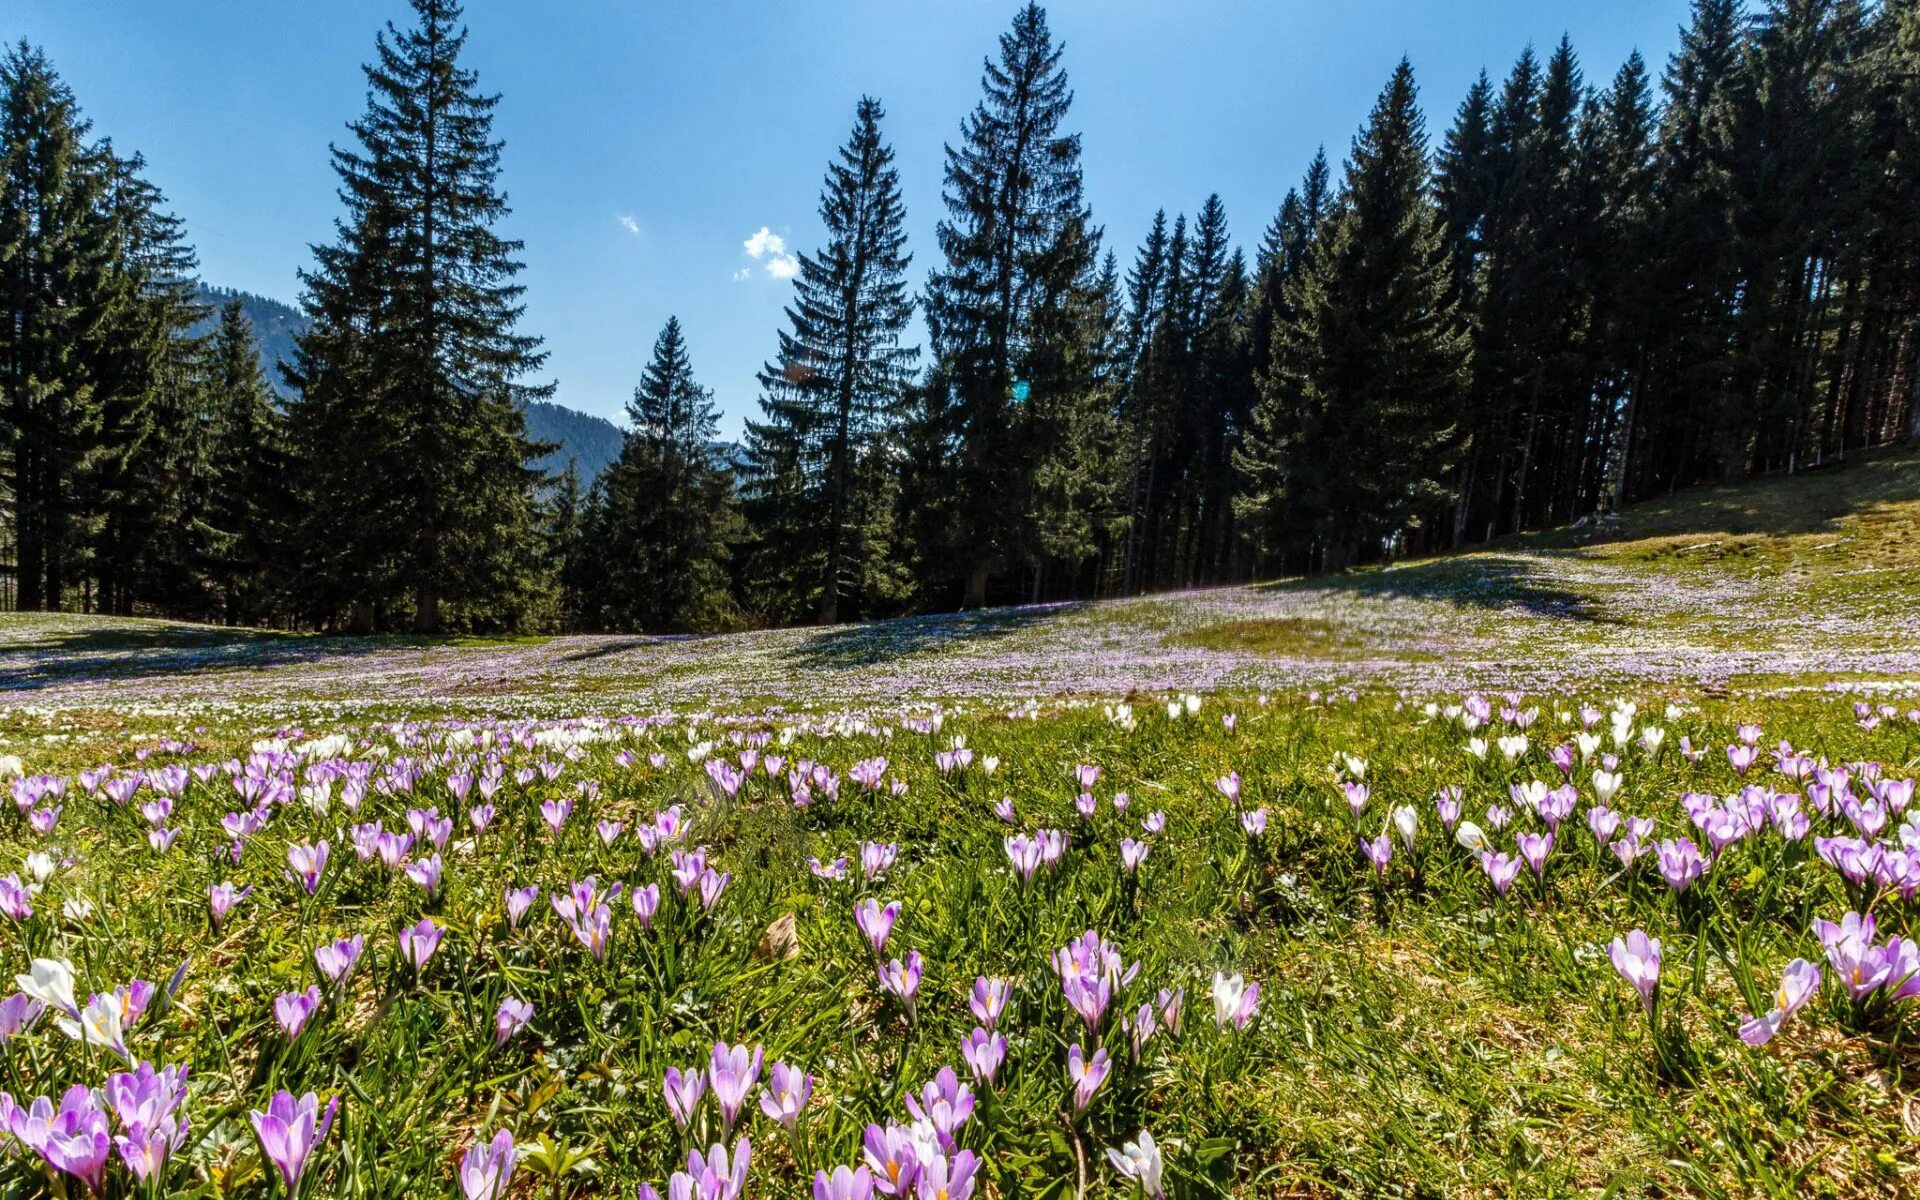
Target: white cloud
(630,225)
(769,247)
(742,273)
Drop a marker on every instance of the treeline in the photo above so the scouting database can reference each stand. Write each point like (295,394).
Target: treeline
(1574,297)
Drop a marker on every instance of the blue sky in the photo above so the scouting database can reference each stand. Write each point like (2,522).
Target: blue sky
(648,141)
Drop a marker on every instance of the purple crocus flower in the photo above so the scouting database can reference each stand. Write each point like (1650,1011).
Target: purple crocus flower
(519,900)
(712,1176)
(1086,1075)
(308,863)
(418,942)
(1003,808)
(609,831)
(894,1157)
(336,960)
(989,999)
(555,814)
(731,1072)
(943,1103)
(221,899)
(1680,863)
(1604,822)
(1234,1000)
(646,902)
(903,979)
(943,1178)
(1255,822)
(1229,785)
(1534,848)
(844,1184)
(786,1094)
(1500,869)
(713,885)
(293,1009)
(480,817)
(875,921)
(1379,852)
(76,1141)
(1798,983)
(683,1091)
(983,1053)
(876,859)
(512,1017)
(18,1012)
(289,1130)
(427,875)
(1132,854)
(1637,958)
(487,1168)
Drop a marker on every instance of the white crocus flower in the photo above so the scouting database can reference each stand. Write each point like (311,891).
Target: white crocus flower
(1606,785)
(1140,1161)
(1405,823)
(1513,746)
(1472,838)
(41,866)
(1477,747)
(50,981)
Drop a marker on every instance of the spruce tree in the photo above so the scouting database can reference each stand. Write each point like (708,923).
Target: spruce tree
(249,513)
(832,400)
(668,518)
(409,415)
(55,253)
(1354,433)
(1005,402)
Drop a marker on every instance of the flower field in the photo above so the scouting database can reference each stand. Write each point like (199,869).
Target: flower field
(1620,932)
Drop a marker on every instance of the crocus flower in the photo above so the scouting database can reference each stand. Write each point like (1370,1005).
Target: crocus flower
(1254,823)
(336,959)
(308,863)
(77,1142)
(1140,1161)
(511,1019)
(289,1130)
(1406,823)
(844,1184)
(944,1103)
(903,979)
(732,1072)
(713,1176)
(427,874)
(1797,985)
(1500,869)
(876,859)
(683,1091)
(519,900)
(943,1178)
(487,1168)
(713,884)
(1229,785)
(1003,808)
(18,1012)
(1234,1000)
(894,1158)
(1132,854)
(1379,852)
(1637,958)
(875,921)
(555,814)
(1086,1075)
(221,899)
(646,902)
(293,1009)
(983,1053)
(786,1094)
(418,942)
(989,999)
(1534,848)
(609,831)
(1680,863)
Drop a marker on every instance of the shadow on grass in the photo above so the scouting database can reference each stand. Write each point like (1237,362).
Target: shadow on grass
(847,646)
(1480,581)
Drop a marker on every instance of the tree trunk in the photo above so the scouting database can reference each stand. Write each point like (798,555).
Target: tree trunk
(976,593)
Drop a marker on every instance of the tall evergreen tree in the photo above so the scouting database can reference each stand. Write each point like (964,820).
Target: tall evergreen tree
(668,520)
(55,254)
(249,511)
(1004,312)
(409,419)
(1354,434)
(832,401)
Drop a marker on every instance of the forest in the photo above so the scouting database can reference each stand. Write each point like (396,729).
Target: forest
(1592,286)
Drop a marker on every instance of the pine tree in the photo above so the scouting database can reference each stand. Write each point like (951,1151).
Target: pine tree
(1354,435)
(668,517)
(409,421)
(1005,401)
(249,510)
(832,401)
(55,255)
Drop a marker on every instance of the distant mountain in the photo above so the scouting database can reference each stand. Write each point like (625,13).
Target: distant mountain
(588,442)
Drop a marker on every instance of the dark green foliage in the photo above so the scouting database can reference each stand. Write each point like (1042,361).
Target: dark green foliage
(419,500)
(1009,483)
(822,461)
(666,518)
(1355,428)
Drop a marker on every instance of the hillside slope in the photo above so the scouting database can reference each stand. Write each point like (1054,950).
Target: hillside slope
(1789,581)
